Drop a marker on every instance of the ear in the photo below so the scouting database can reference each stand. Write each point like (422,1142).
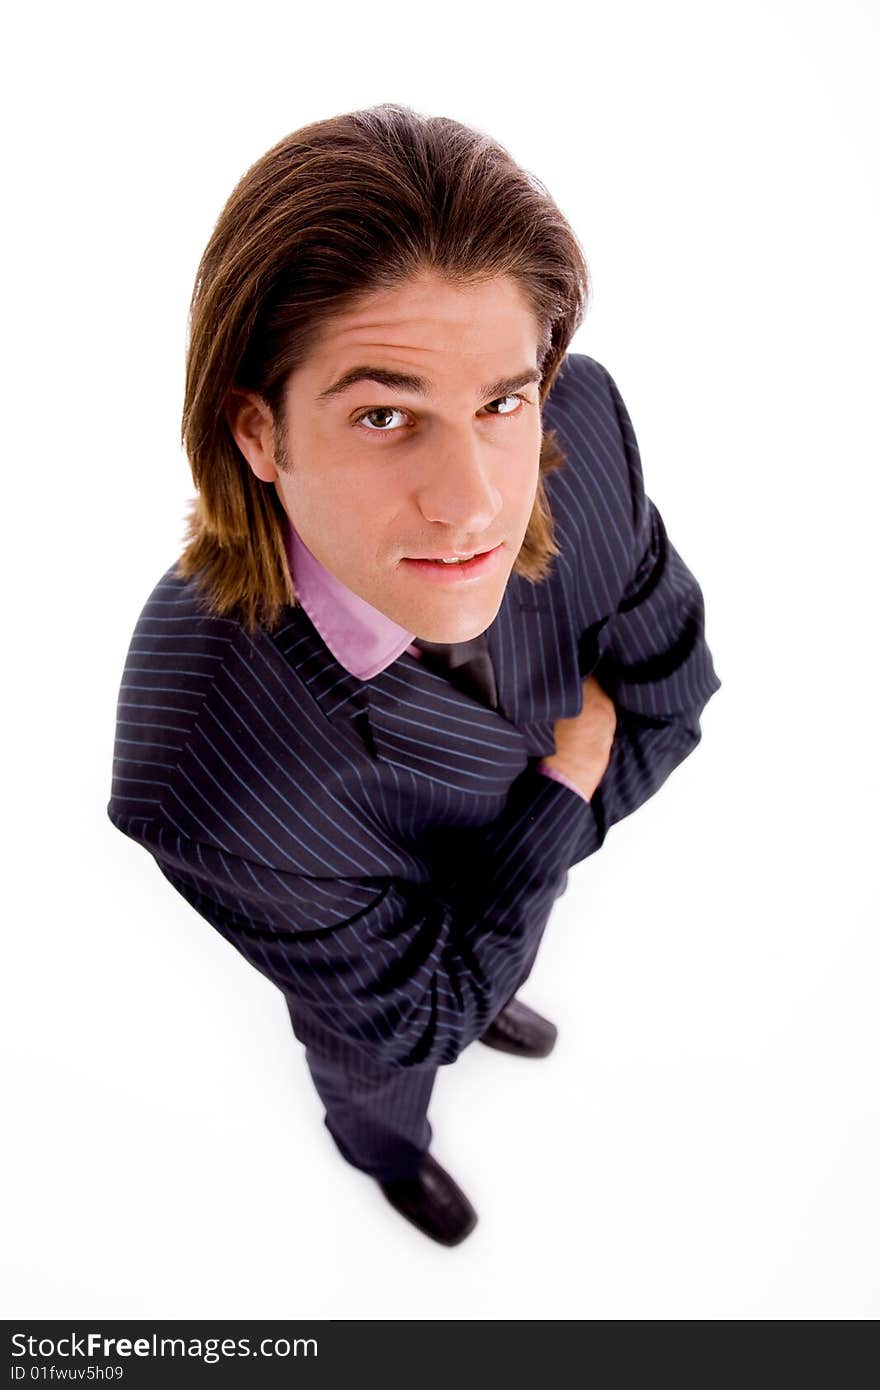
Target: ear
(250,420)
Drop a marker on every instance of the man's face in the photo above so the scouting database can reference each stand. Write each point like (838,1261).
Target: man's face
(376,476)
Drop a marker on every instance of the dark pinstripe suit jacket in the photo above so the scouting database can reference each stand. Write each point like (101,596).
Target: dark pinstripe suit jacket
(385,850)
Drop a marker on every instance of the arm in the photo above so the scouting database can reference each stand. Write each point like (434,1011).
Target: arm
(388,963)
(655,663)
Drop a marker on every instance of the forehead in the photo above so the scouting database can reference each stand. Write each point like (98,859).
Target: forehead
(431,325)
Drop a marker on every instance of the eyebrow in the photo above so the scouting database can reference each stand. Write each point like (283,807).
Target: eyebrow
(419,385)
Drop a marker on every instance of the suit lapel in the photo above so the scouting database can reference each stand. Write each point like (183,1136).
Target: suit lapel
(421,722)
(414,719)
(534,648)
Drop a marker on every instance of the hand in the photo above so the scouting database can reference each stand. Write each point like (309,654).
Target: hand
(583,744)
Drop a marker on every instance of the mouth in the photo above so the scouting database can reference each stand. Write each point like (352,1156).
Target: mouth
(455,567)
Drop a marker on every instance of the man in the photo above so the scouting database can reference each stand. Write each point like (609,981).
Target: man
(366,758)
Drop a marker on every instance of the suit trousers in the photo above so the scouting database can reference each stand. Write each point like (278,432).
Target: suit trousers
(377,1116)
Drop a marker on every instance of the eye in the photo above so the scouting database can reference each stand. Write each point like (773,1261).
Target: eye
(508,398)
(377,410)
(362,419)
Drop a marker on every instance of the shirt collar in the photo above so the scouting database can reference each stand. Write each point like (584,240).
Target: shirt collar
(362,639)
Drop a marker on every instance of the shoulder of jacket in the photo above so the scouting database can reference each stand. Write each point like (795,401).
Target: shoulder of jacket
(175,609)
(175,654)
(591,495)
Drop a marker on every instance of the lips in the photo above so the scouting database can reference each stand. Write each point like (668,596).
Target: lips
(452,556)
(439,569)
(451,560)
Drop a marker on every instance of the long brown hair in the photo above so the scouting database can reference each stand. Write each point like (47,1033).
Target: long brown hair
(334,212)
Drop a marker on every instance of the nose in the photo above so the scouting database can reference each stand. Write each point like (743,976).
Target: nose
(457,490)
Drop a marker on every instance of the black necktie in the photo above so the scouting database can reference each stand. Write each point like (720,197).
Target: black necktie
(467,665)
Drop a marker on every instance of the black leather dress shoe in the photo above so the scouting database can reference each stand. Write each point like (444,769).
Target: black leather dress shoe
(518,1029)
(433,1202)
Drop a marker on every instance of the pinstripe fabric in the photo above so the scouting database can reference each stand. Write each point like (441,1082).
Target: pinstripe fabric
(376,1115)
(385,851)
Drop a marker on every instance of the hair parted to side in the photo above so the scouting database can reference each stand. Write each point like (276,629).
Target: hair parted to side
(335,212)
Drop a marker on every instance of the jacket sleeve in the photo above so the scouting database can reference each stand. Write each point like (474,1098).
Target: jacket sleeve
(655,663)
(388,963)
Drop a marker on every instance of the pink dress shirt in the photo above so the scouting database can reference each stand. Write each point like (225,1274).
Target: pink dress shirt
(362,639)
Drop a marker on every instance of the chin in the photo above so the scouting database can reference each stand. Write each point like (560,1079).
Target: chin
(455,627)
(432,633)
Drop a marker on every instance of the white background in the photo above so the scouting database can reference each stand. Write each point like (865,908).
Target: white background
(703,1143)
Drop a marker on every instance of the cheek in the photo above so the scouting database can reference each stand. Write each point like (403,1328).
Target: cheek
(365,517)
(334,496)
(521,481)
